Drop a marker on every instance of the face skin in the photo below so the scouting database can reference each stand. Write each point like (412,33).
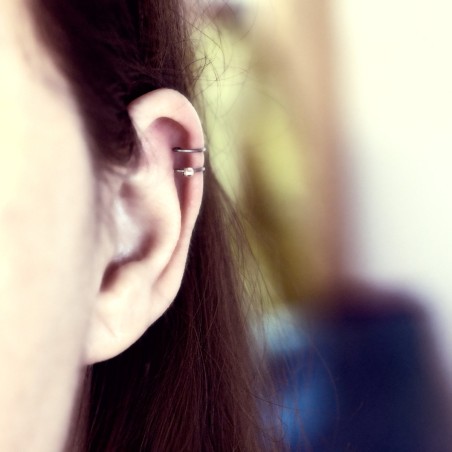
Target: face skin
(48,231)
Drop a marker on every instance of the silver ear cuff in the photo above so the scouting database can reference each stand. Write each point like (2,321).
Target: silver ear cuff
(190,171)
(190,151)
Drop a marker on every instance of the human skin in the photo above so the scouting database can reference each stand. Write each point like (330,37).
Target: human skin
(61,228)
(50,255)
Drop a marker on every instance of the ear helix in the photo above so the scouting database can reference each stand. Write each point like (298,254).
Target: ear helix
(190,171)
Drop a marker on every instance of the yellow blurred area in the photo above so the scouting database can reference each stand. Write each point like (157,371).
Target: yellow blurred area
(261,150)
(330,126)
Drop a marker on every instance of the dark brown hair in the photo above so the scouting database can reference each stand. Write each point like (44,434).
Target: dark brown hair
(189,384)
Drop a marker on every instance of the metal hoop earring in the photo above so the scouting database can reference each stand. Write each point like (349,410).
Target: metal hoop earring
(190,151)
(189,171)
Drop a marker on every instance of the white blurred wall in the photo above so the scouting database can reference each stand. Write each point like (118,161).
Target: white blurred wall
(394,80)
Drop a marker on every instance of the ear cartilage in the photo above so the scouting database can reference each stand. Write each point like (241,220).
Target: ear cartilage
(190,151)
(189,172)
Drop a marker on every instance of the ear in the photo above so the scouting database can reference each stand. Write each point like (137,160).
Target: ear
(154,211)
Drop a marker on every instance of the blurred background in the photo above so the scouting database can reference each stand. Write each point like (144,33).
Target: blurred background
(330,126)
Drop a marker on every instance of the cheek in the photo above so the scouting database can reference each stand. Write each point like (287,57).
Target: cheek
(48,229)
(48,270)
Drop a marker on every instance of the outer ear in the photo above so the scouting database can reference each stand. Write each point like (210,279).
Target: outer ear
(154,213)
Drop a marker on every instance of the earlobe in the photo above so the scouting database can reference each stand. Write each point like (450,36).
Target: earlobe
(154,214)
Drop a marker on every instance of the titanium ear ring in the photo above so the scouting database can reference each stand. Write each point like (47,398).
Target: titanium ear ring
(190,171)
(190,151)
